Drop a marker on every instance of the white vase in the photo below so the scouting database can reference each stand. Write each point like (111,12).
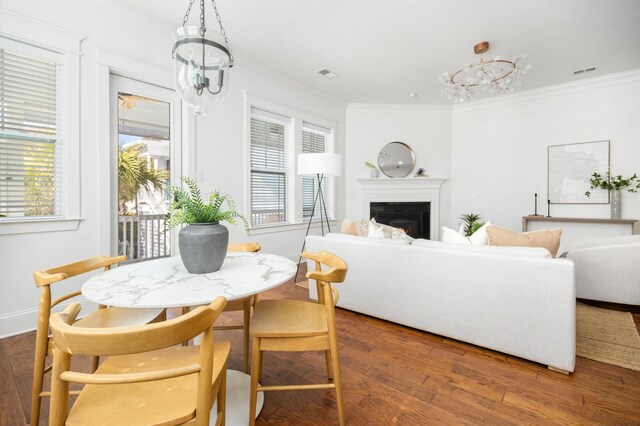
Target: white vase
(374,172)
(616,204)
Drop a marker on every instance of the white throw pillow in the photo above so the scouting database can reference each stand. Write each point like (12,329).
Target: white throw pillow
(452,236)
(478,238)
(375,231)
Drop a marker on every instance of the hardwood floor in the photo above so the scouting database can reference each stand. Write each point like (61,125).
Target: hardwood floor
(396,375)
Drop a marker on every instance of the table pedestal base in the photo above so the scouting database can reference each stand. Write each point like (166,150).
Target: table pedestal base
(238,389)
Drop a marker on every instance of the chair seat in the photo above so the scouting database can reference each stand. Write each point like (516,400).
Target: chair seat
(168,401)
(118,317)
(288,318)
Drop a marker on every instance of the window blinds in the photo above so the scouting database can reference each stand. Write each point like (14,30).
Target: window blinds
(316,139)
(271,168)
(30,136)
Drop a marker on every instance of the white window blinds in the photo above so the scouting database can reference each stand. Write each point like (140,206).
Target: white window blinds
(30,134)
(271,168)
(316,139)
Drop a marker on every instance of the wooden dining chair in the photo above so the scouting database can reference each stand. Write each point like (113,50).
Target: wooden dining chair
(103,317)
(297,325)
(243,305)
(146,378)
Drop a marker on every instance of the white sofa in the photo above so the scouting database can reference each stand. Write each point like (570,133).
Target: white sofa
(514,300)
(607,269)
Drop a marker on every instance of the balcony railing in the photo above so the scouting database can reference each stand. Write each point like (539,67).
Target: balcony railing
(143,237)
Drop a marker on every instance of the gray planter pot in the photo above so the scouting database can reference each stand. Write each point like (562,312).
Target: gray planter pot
(203,247)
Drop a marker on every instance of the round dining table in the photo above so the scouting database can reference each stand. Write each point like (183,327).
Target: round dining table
(165,283)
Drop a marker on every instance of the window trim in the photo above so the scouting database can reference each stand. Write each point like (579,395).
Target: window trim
(32,33)
(298,118)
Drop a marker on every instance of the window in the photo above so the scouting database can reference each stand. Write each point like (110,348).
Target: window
(32,133)
(277,195)
(270,167)
(315,139)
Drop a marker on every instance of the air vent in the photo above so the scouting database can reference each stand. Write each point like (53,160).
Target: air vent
(327,73)
(585,70)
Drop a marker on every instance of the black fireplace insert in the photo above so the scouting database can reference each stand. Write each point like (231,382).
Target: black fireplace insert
(413,217)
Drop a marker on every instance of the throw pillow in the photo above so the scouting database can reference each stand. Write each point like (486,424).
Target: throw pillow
(452,236)
(362,228)
(392,232)
(348,227)
(375,231)
(478,238)
(506,237)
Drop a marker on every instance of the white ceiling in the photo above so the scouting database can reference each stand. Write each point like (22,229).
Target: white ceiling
(384,50)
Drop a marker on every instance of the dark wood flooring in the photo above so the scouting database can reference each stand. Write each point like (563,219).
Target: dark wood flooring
(396,375)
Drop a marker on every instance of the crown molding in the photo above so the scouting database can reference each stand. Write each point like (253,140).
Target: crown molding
(31,31)
(608,80)
(257,71)
(398,108)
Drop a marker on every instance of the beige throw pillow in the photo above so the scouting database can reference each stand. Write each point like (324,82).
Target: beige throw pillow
(348,227)
(506,237)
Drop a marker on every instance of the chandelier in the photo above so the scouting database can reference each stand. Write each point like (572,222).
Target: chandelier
(494,76)
(202,61)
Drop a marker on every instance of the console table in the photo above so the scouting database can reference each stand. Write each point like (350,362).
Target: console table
(634,223)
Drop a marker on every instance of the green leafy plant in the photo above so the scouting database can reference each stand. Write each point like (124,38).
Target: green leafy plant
(613,183)
(369,165)
(472,223)
(135,175)
(187,207)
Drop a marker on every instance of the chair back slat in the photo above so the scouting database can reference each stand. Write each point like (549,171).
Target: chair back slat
(337,268)
(59,273)
(244,247)
(131,339)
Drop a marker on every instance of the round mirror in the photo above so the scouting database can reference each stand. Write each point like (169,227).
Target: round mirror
(396,159)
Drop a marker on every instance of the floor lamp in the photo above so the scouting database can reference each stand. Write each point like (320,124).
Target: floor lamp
(319,165)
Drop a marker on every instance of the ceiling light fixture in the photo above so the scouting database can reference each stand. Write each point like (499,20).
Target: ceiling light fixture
(202,61)
(413,95)
(495,76)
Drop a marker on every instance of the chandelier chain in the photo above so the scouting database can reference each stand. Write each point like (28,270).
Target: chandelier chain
(222,31)
(186,15)
(203,29)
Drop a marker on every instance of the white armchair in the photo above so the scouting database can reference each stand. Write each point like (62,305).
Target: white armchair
(607,269)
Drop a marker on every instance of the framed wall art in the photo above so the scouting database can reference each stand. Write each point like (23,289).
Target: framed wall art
(569,168)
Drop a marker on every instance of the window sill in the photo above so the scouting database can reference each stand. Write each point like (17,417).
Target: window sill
(286,227)
(31,226)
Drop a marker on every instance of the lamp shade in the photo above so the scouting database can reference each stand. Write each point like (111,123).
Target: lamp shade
(323,163)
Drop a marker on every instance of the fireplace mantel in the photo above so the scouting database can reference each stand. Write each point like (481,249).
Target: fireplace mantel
(425,189)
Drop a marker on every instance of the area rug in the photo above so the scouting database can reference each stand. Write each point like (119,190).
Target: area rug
(607,336)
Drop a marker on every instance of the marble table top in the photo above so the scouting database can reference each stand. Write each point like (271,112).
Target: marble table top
(165,283)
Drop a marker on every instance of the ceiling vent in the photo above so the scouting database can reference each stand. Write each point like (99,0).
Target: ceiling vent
(327,73)
(576,72)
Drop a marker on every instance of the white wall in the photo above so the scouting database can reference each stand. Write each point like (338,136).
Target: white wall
(426,129)
(218,145)
(500,149)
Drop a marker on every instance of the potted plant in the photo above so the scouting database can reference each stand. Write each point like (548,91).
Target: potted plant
(374,170)
(615,185)
(471,223)
(203,242)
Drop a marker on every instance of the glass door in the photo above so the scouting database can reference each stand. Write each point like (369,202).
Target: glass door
(147,150)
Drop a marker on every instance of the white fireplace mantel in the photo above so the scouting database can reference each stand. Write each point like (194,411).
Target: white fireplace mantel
(419,189)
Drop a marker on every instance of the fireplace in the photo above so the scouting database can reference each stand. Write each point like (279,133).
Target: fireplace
(413,217)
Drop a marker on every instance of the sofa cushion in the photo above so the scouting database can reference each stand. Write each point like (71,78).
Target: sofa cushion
(549,240)
(535,252)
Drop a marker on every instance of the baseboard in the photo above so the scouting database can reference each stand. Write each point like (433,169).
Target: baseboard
(24,321)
